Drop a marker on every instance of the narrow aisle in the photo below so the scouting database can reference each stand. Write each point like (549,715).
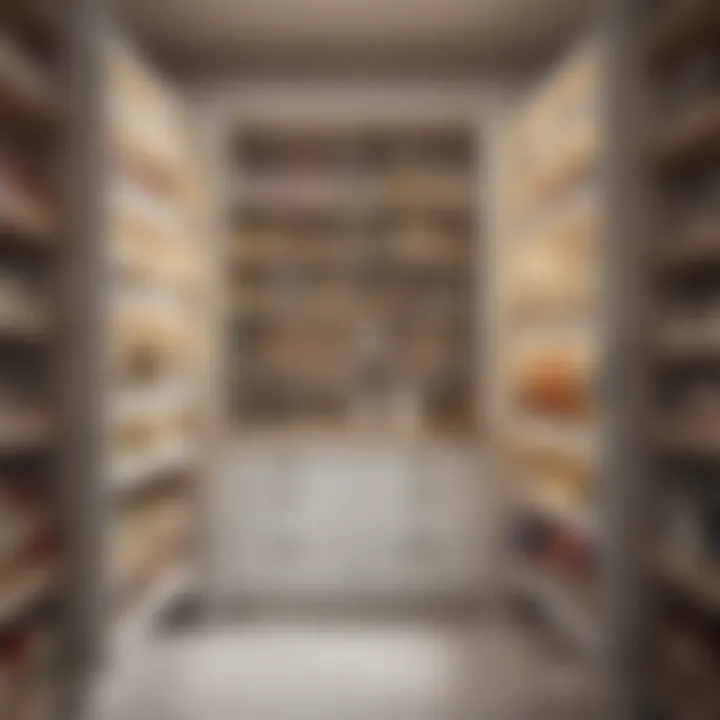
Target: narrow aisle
(363,671)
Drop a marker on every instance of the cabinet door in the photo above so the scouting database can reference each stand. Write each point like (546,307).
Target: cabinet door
(375,523)
(255,538)
(444,522)
(321,523)
(323,476)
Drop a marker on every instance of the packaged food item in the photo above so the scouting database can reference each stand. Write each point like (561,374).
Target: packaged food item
(556,381)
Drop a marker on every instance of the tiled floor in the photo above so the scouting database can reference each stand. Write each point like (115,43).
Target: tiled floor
(371,671)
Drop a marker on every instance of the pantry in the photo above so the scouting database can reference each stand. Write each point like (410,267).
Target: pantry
(392,311)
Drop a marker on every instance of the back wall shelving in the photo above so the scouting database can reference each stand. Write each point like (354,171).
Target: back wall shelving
(353,277)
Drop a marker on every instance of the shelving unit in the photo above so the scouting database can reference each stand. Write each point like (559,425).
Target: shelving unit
(156,305)
(352,289)
(551,345)
(680,162)
(33,63)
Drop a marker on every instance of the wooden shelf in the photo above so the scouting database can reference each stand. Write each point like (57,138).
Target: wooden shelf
(24,222)
(567,439)
(698,580)
(308,433)
(132,472)
(134,626)
(33,19)
(564,174)
(680,29)
(573,516)
(559,605)
(23,332)
(18,437)
(692,343)
(26,96)
(685,440)
(698,244)
(695,137)
(22,592)
(689,705)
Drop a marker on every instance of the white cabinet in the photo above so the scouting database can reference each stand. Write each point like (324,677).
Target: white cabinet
(351,522)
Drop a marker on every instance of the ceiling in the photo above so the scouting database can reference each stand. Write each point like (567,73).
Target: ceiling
(418,30)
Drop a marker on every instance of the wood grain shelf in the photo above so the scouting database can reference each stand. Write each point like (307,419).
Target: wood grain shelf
(694,138)
(559,604)
(575,516)
(565,174)
(24,332)
(23,591)
(346,432)
(568,439)
(133,626)
(682,439)
(35,433)
(694,343)
(692,705)
(25,95)
(698,580)
(33,19)
(24,223)
(697,244)
(682,27)
(132,475)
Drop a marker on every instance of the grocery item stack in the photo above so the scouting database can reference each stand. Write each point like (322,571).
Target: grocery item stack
(551,341)
(680,72)
(32,317)
(352,286)
(155,317)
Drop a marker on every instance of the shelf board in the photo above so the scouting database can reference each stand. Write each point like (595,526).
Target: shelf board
(23,332)
(696,344)
(269,266)
(136,623)
(694,705)
(682,438)
(558,604)
(697,245)
(574,517)
(690,139)
(25,95)
(345,431)
(696,579)
(36,436)
(134,474)
(162,399)
(569,439)
(679,30)
(350,210)
(32,18)
(19,594)
(23,227)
